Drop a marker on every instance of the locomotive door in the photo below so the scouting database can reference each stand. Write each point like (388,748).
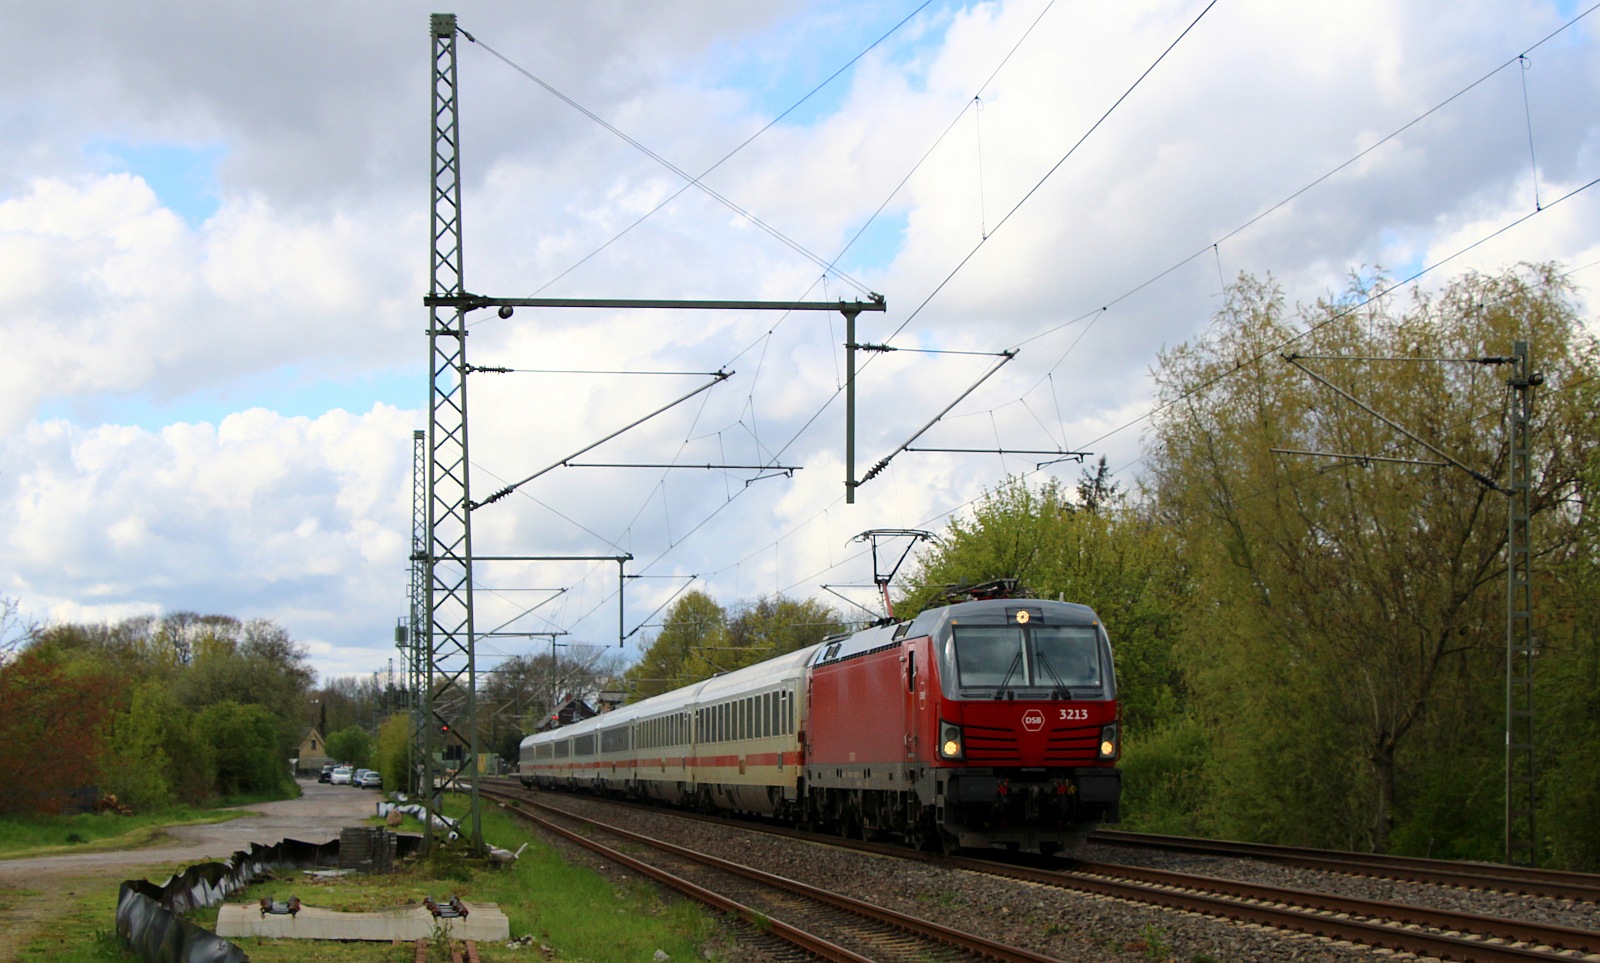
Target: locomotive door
(914,690)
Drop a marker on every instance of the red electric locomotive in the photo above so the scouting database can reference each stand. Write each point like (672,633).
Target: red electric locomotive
(982,723)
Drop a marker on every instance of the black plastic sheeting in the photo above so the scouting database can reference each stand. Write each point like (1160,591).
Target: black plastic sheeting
(150,918)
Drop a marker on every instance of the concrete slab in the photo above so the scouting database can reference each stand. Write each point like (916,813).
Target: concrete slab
(484,921)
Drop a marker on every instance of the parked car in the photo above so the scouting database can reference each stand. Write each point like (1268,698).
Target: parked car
(340,776)
(370,780)
(326,775)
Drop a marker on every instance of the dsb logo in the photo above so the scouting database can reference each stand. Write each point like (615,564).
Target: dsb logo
(1033,720)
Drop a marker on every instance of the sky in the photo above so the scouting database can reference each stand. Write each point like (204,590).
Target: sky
(215,241)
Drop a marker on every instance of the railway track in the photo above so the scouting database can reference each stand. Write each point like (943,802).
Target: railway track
(794,912)
(1521,880)
(1445,934)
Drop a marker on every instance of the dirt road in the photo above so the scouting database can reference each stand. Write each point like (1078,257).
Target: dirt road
(35,890)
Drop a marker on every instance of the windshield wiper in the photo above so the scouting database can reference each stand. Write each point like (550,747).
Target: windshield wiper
(1061,690)
(1000,693)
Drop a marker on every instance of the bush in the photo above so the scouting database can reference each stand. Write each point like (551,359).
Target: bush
(1163,779)
(244,742)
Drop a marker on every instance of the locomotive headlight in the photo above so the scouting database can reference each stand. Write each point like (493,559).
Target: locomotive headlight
(949,741)
(1108,742)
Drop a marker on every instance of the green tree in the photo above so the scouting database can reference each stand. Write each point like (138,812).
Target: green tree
(392,754)
(1108,557)
(772,626)
(136,766)
(252,662)
(695,624)
(351,745)
(1348,659)
(243,740)
(1568,682)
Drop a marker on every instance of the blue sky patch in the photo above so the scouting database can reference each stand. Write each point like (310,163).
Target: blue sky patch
(878,245)
(779,67)
(183,176)
(286,390)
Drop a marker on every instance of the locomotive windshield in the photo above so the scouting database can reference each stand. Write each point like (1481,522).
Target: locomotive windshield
(1004,656)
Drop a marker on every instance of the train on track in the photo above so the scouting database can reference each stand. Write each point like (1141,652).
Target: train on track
(982,723)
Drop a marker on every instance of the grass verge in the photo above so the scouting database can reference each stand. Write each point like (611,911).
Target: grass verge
(573,913)
(94,832)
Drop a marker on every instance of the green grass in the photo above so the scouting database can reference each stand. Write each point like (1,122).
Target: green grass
(93,832)
(579,914)
(84,933)
(99,832)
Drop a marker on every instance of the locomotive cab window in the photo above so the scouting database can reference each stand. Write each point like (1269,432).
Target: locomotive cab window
(1037,656)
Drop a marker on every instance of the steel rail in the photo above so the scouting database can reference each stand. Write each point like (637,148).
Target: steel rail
(1556,884)
(1311,901)
(1377,935)
(1300,911)
(944,934)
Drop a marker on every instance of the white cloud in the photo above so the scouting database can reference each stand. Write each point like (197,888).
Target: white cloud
(239,518)
(311,271)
